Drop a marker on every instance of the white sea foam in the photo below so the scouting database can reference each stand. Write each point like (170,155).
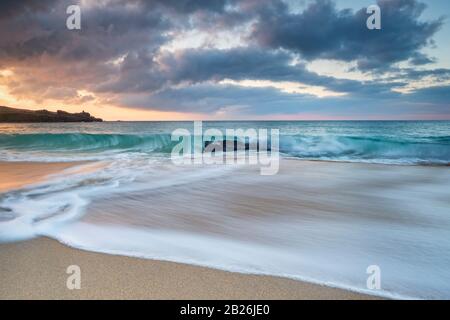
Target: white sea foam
(208,251)
(319,222)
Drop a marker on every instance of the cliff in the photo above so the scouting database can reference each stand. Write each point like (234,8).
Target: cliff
(22,115)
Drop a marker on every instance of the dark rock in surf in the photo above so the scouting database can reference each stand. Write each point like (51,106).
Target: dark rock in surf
(235,146)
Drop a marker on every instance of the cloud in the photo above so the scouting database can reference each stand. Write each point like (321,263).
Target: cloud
(187,6)
(439,95)
(107,31)
(141,73)
(10,8)
(244,103)
(119,55)
(210,98)
(322,31)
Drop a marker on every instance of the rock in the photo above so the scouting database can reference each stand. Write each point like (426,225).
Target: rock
(236,145)
(22,115)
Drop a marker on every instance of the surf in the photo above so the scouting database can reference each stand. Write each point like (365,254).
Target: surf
(73,146)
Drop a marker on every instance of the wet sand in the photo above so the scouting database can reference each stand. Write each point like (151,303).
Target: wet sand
(36,269)
(14,175)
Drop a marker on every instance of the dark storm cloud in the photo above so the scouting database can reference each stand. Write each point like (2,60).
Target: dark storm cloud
(213,64)
(10,8)
(320,31)
(194,66)
(109,28)
(77,59)
(106,32)
(248,63)
(199,65)
(119,53)
(137,73)
(235,101)
(188,6)
(323,31)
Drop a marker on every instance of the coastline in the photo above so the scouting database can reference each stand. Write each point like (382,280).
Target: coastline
(16,175)
(36,269)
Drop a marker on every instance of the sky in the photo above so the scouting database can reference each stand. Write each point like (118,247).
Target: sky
(228,59)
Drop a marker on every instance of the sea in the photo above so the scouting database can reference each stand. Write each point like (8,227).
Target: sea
(379,200)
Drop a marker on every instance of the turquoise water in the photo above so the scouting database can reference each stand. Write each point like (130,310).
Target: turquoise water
(395,142)
(323,222)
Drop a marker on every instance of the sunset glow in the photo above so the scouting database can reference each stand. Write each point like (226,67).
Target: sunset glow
(228,60)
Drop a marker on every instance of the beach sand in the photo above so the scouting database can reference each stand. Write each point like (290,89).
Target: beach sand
(36,269)
(14,175)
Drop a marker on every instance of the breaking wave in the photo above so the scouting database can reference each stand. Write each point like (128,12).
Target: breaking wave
(73,146)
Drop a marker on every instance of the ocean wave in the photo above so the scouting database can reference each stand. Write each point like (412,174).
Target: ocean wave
(377,149)
(420,150)
(81,141)
(319,223)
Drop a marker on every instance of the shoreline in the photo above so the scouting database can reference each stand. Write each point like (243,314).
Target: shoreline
(16,175)
(36,268)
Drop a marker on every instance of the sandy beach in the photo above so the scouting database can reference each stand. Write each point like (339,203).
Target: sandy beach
(18,174)
(36,269)
(317,222)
